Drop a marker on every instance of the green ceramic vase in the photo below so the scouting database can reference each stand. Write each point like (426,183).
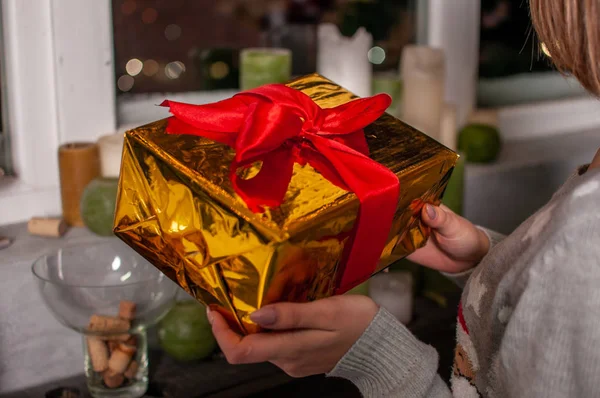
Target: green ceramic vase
(98,205)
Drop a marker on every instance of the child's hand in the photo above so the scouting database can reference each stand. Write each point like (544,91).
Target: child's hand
(308,338)
(455,245)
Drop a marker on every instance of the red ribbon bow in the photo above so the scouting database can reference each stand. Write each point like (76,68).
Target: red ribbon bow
(280,126)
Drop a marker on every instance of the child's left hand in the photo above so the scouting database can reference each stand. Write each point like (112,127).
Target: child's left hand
(307,339)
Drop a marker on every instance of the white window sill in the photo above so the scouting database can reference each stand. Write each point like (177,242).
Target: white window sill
(19,201)
(517,154)
(137,109)
(519,122)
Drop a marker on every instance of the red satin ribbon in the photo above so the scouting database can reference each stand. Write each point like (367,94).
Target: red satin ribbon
(280,126)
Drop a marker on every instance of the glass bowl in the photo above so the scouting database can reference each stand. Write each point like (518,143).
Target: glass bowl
(110,294)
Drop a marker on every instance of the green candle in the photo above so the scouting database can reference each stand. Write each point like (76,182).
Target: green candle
(453,197)
(260,66)
(362,289)
(391,84)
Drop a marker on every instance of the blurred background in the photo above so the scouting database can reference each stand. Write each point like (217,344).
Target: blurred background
(75,74)
(206,37)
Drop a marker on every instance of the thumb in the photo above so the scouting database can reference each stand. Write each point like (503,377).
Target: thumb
(443,220)
(286,316)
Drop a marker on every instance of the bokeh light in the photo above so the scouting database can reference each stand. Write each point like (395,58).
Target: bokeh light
(545,51)
(128,7)
(150,67)
(172,32)
(376,55)
(149,16)
(125,83)
(174,69)
(134,67)
(218,70)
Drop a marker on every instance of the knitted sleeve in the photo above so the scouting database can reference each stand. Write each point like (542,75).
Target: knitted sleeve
(388,361)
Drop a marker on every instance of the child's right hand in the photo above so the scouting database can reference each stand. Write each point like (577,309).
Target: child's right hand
(456,245)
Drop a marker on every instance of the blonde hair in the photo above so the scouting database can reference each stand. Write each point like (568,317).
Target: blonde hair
(570,30)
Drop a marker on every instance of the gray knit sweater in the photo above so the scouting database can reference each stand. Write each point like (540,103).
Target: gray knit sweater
(529,319)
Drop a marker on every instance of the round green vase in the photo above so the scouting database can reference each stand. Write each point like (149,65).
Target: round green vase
(185,333)
(454,194)
(362,289)
(98,205)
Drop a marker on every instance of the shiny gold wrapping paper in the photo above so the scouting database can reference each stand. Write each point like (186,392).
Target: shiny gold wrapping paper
(177,208)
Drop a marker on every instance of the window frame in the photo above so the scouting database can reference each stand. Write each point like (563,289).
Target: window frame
(6,164)
(455,25)
(53,71)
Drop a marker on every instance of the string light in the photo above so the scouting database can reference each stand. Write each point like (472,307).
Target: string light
(125,83)
(128,7)
(149,16)
(150,67)
(219,70)
(545,50)
(376,55)
(134,67)
(174,69)
(172,32)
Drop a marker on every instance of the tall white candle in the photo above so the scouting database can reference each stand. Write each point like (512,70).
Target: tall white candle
(449,127)
(344,60)
(423,74)
(488,117)
(394,292)
(111,148)
(453,26)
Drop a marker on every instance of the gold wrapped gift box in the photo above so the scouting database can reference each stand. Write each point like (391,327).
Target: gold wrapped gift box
(177,208)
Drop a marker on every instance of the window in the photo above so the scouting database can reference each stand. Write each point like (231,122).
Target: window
(190,49)
(62,62)
(512,70)
(187,45)
(5,164)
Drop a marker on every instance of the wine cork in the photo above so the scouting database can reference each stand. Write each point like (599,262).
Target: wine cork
(112,345)
(127,310)
(48,227)
(132,369)
(132,341)
(4,242)
(79,164)
(110,326)
(113,379)
(98,351)
(120,358)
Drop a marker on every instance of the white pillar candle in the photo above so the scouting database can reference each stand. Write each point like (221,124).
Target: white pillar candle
(394,292)
(344,60)
(423,75)
(111,148)
(449,127)
(488,117)
(453,26)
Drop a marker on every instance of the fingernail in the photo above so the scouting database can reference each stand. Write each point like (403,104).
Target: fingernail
(209,315)
(265,316)
(431,213)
